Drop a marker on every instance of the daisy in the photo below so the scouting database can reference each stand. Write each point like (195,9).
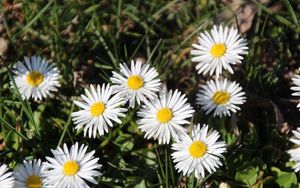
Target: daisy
(29,174)
(98,109)
(221,96)
(36,78)
(164,116)
(70,168)
(138,83)
(199,153)
(295,153)
(218,49)
(6,178)
(296,82)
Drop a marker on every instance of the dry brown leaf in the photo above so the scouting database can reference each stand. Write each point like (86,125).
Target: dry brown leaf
(284,128)
(2,143)
(3,46)
(183,54)
(245,17)
(244,13)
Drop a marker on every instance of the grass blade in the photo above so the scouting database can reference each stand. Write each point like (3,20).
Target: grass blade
(66,126)
(14,129)
(160,164)
(291,11)
(166,167)
(37,16)
(154,49)
(26,107)
(278,17)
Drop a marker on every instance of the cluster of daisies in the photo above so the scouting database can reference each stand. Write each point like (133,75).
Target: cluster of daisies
(68,168)
(214,52)
(163,115)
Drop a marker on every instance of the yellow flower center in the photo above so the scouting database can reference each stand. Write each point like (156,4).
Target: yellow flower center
(135,82)
(164,115)
(35,78)
(71,168)
(218,50)
(97,109)
(221,97)
(33,182)
(197,149)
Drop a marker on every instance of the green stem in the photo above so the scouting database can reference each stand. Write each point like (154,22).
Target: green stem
(37,16)
(14,129)
(25,105)
(66,126)
(191,181)
(278,17)
(166,167)
(159,162)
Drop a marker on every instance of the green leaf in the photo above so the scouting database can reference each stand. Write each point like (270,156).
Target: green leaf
(151,158)
(285,179)
(111,181)
(10,137)
(230,138)
(125,142)
(11,140)
(133,128)
(141,184)
(248,175)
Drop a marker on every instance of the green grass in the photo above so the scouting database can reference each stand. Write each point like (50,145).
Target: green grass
(88,39)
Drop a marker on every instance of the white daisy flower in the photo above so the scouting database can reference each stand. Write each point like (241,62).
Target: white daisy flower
(164,116)
(29,174)
(199,153)
(218,49)
(36,78)
(139,83)
(70,168)
(6,178)
(296,88)
(295,153)
(221,96)
(98,109)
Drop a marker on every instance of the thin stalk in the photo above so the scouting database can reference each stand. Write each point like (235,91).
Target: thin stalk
(14,129)
(105,46)
(166,167)
(172,172)
(191,181)
(159,162)
(138,47)
(37,16)
(159,178)
(119,17)
(101,39)
(291,11)
(25,105)
(278,17)
(157,14)
(204,179)
(66,126)
(192,34)
(154,49)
